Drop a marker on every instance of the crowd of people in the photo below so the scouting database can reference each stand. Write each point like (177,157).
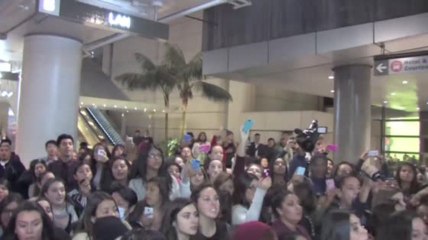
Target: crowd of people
(212,189)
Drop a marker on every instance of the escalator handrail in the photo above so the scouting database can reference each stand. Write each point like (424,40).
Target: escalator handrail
(100,125)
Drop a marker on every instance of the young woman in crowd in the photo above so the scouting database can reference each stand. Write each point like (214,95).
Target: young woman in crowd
(149,213)
(201,147)
(407,180)
(248,198)
(214,165)
(64,214)
(288,212)
(99,205)
(150,166)
(29,221)
(207,202)
(343,169)
(308,201)
(341,225)
(278,171)
(181,220)
(198,179)
(46,206)
(119,151)
(7,207)
(120,170)
(174,170)
(125,199)
(224,182)
(79,196)
(100,167)
(4,189)
(37,169)
(404,225)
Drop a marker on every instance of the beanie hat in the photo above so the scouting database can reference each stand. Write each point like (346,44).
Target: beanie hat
(251,231)
(108,228)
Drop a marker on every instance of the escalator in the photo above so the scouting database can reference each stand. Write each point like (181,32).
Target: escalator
(98,127)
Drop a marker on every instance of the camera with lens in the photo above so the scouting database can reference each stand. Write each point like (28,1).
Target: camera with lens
(308,138)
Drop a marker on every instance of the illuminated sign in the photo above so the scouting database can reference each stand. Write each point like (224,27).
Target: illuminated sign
(119,20)
(49,6)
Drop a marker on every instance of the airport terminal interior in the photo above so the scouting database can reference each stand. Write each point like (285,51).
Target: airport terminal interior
(214,119)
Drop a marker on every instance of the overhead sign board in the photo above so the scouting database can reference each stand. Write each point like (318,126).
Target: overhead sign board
(401,65)
(103,18)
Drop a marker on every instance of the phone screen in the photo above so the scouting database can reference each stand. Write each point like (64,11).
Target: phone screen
(196,165)
(300,171)
(266,173)
(248,125)
(148,212)
(373,153)
(330,184)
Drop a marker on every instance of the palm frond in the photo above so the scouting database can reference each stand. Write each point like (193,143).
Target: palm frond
(146,63)
(213,92)
(193,70)
(136,81)
(174,58)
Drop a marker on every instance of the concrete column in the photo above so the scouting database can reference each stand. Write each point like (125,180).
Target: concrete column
(352,111)
(48,93)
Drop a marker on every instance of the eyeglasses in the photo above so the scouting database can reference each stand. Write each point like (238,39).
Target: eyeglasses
(154,155)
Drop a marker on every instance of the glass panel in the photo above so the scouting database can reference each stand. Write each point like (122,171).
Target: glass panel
(402,128)
(402,157)
(402,144)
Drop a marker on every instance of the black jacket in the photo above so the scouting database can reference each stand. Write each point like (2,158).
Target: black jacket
(12,171)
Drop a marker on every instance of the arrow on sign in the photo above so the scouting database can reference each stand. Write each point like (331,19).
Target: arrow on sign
(381,67)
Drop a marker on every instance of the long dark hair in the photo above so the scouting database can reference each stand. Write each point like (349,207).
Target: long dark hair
(139,167)
(336,226)
(164,184)
(48,184)
(12,197)
(397,227)
(272,165)
(33,167)
(171,212)
(47,231)
(85,223)
(242,183)
(414,186)
(107,178)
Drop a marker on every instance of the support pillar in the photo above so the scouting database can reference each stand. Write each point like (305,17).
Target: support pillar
(48,92)
(352,111)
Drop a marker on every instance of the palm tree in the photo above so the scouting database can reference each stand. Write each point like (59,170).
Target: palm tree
(174,72)
(153,77)
(189,77)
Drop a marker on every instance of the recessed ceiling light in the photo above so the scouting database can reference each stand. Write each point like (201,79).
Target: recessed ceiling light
(154,110)
(115,106)
(418,108)
(81,103)
(393,93)
(332,91)
(135,108)
(104,105)
(385,102)
(404,82)
(126,107)
(145,109)
(331,77)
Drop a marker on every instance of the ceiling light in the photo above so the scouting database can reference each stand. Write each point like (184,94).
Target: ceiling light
(104,105)
(385,102)
(331,77)
(393,94)
(404,82)
(9,94)
(115,106)
(126,107)
(127,111)
(135,108)
(418,108)
(145,109)
(1,75)
(81,103)
(154,110)
(163,110)
(332,91)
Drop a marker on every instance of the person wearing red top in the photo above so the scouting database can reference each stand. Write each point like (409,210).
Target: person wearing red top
(288,212)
